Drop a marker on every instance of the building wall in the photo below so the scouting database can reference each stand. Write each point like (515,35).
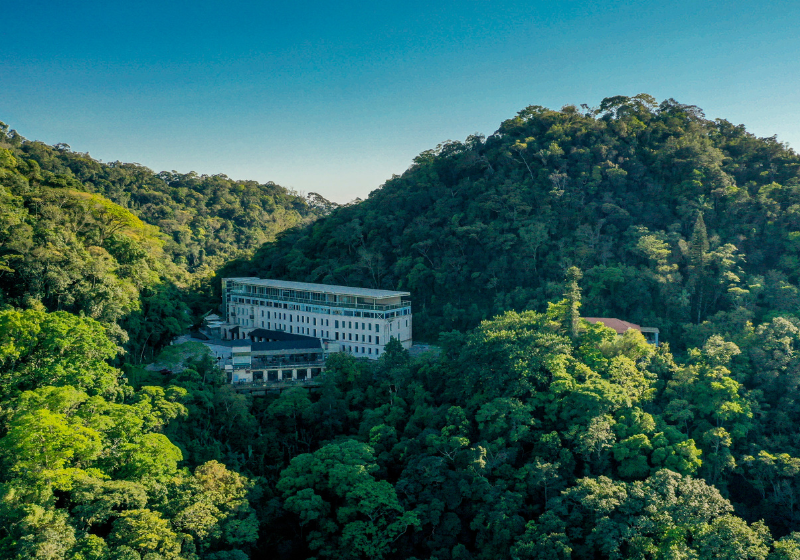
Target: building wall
(363,333)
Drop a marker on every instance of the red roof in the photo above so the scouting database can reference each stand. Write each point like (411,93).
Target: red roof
(618,325)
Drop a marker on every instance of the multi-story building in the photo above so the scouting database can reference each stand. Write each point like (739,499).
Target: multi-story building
(360,320)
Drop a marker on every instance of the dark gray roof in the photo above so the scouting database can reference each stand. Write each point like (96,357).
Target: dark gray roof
(278,335)
(310,344)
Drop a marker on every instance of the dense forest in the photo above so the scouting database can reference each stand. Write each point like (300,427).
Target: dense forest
(528,434)
(131,248)
(675,220)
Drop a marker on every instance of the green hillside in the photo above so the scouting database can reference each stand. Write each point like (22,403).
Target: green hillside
(530,435)
(122,244)
(674,220)
(207,219)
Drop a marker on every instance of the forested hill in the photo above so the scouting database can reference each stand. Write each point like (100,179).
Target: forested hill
(208,219)
(119,243)
(674,220)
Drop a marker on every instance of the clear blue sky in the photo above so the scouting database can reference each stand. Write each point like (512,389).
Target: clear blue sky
(335,97)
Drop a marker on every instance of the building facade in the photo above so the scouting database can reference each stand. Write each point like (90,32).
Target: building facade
(360,320)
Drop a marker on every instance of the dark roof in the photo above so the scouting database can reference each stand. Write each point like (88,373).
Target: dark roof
(310,344)
(620,326)
(278,335)
(307,343)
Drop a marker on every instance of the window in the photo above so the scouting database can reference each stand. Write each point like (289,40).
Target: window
(315,322)
(406,322)
(337,336)
(370,339)
(362,326)
(349,336)
(327,323)
(363,338)
(262,324)
(315,332)
(290,328)
(290,319)
(268,315)
(335,324)
(349,324)
(262,312)
(377,327)
(369,350)
(369,326)
(377,340)
(269,325)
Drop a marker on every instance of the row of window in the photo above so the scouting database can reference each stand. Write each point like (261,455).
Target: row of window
(322,310)
(301,318)
(324,322)
(364,326)
(354,350)
(364,337)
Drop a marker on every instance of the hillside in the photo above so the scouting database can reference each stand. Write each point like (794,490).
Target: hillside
(121,244)
(207,219)
(529,436)
(674,220)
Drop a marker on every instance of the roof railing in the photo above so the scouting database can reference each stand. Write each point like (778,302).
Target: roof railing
(364,306)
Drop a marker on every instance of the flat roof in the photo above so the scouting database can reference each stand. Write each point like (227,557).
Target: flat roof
(312,344)
(248,345)
(278,335)
(322,288)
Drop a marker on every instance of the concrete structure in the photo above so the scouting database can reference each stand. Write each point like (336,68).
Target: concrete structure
(359,320)
(621,327)
(266,356)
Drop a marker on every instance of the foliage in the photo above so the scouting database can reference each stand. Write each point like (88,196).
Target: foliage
(673,219)
(532,434)
(86,471)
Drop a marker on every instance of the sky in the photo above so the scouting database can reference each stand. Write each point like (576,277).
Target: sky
(336,97)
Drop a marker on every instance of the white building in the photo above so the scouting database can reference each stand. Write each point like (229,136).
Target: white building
(360,320)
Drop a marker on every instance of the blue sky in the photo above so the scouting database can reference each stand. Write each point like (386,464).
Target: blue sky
(335,97)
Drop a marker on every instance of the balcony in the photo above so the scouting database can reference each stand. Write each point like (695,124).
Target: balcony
(258,363)
(359,306)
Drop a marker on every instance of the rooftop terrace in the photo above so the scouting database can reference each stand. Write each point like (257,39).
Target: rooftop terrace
(319,288)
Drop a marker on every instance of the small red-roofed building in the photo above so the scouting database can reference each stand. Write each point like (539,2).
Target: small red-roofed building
(621,327)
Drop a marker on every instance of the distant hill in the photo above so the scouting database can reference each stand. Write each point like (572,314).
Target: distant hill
(208,219)
(674,220)
(117,242)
